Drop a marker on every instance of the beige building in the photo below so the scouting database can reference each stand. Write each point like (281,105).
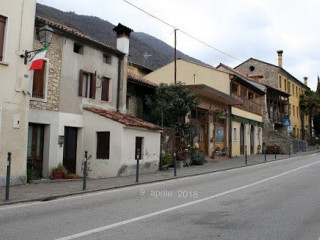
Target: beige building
(16,35)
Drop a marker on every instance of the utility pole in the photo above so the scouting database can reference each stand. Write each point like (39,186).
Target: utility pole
(175,56)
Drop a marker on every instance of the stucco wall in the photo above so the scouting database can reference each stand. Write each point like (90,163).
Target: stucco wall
(150,151)
(191,73)
(15,80)
(91,61)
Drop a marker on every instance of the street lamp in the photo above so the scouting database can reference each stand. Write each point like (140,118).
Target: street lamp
(45,36)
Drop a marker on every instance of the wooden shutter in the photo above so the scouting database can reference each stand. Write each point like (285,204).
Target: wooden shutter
(38,82)
(103,145)
(93,86)
(80,82)
(105,89)
(3,21)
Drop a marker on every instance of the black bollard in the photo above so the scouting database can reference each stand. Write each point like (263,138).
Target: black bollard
(289,150)
(246,155)
(137,158)
(8,176)
(85,170)
(275,151)
(175,161)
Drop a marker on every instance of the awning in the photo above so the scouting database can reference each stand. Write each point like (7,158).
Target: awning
(214,94)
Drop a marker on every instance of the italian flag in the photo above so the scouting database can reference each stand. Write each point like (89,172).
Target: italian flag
(37,61)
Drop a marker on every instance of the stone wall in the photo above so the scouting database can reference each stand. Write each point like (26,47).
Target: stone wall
(54,55)
(272,137)
(269,72)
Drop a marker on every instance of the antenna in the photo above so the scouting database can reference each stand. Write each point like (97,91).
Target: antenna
(145,57)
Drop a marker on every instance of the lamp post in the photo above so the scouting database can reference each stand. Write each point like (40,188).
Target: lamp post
(45,34)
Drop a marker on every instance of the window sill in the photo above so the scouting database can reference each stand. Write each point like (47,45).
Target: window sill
(4,63)
(44,100)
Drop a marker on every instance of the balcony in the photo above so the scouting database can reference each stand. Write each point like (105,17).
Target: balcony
(249,105)
(277,117)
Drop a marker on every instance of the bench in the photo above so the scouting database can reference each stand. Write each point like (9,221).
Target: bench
(273,149)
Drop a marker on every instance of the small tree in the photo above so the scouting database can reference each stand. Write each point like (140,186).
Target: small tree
(170,104)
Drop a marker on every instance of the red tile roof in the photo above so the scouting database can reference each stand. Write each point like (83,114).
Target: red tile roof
(74,32)
(136,78)
(124,119)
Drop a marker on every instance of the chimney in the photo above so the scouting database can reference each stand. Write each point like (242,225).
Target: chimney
(280,58)
(123,36)
(305,81)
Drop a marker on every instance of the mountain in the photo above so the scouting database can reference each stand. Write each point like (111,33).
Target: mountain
(145,50)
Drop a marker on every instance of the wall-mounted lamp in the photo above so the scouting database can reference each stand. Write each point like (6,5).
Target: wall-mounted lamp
(45,36)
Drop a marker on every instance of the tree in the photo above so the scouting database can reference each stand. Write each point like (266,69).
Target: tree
(170,104)
(309,105)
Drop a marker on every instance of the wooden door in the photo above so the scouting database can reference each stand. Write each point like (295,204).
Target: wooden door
(35,149)
(70,149)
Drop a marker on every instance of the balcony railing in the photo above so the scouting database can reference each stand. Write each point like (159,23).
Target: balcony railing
(249,105)
(277,117)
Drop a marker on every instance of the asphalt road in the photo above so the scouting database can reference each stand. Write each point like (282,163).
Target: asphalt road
(278,200)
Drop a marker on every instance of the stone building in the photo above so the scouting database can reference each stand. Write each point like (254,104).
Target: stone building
(278,78)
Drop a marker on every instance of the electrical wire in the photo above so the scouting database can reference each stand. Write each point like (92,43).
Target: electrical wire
(183,32)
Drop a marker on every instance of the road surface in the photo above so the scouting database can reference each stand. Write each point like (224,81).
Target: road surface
(277,200)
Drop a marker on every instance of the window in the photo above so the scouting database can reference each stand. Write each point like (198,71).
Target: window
(105,89)
(292,90)
(297,111)
(280,82)
(235,137)
(251,68)
(87,84)
(285,84)
(3,22)
(293,110)
(39,82)
(103,145)
(296,91)
(139,149)
(250,95)
(289,84)
(78,48)
(106,58)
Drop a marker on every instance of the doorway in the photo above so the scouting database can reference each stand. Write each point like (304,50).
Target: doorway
(35,149)
(70,149)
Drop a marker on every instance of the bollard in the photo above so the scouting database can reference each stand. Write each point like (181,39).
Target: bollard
(275,151)
(137,171)
(246,154)
(85,170)
(175,161)
(265,153)
(289,150)
(8,176)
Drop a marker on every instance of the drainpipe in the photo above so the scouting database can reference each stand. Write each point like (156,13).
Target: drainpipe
(118,84)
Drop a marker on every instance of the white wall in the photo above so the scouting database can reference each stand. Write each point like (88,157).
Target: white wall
(150,150)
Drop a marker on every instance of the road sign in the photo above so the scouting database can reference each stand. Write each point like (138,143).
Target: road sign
(286,122)
(289,129)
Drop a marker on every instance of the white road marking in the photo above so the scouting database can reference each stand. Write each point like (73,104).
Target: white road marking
(132,220)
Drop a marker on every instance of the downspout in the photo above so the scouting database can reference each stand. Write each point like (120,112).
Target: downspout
(118,84)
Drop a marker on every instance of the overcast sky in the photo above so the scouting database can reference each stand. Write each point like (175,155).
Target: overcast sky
(239,28)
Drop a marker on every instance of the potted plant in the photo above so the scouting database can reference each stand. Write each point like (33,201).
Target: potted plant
(59,172)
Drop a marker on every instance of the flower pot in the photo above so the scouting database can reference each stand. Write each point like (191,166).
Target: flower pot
(57,175)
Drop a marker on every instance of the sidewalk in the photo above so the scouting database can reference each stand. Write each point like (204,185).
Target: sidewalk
(51,189)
